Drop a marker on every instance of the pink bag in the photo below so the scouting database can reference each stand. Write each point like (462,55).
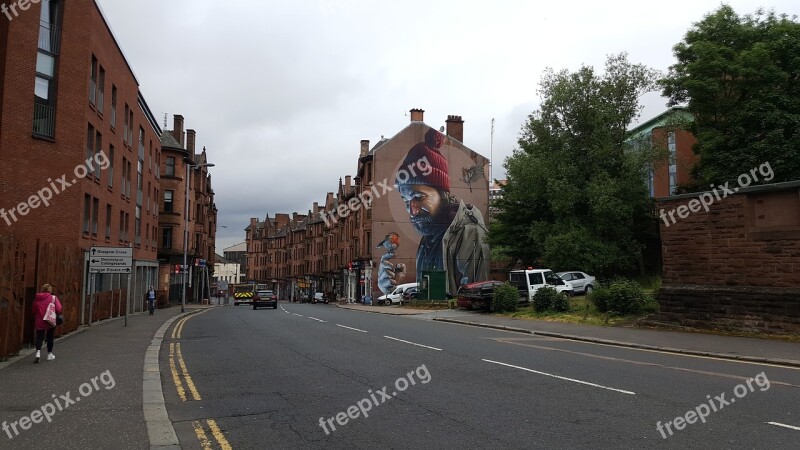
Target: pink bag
(50,314)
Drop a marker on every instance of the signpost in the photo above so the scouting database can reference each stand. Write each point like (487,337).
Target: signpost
(110,260)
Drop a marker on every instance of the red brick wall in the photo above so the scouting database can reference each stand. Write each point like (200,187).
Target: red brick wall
(740,261)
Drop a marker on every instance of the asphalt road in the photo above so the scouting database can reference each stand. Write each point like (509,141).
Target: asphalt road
(287,378)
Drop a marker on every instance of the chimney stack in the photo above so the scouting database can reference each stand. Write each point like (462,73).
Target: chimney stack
(455,128)
(417,115)
(190,139)
(316,207)
(177,128)
(364,147)
(347,184)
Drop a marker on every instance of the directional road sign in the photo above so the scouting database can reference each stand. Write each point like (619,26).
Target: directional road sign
(110,259)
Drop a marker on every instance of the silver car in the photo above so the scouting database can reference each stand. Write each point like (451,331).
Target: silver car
(581,282)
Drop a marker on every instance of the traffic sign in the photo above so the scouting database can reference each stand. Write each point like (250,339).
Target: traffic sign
(110,259)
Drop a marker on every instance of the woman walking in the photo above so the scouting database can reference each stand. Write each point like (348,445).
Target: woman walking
(43,328)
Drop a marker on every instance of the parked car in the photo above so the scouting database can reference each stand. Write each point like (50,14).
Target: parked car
(265,298)
(396,296)
(410,294)
(319,297)
(477,295)
(582,283)
(531,280)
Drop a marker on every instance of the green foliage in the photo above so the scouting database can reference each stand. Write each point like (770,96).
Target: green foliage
(622,297)
(506,298)
(548,299)
(575,198)
(740,79)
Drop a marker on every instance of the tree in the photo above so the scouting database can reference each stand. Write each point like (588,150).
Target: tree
(740,78)
(574,197)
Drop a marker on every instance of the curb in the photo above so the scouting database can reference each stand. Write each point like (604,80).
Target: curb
(679,351)
(160,431)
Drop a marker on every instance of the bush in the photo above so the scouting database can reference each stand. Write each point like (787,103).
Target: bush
(506,297)
(622,297)
(548,299)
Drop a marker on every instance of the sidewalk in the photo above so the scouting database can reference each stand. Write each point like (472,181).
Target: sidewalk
(96,380)
(757,350)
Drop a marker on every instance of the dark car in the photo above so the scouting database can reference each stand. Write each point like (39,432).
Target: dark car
(477,295)
(265,298)
(410,294)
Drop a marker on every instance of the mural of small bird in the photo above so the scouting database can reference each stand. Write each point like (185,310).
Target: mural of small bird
(390,242)
(472,174)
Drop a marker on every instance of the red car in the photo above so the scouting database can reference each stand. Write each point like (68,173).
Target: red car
(477,295)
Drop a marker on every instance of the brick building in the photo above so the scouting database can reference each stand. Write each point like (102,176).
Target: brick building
(180,159)
(74,126)
(664,137)
(332,248)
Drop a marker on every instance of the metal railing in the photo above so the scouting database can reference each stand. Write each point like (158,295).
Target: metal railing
(44,120)
(49,37)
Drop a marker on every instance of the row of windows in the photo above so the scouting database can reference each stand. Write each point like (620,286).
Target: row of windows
(95,152)
(91,221)
(44,107)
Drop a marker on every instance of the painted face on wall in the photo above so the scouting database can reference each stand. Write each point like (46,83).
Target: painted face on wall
(425,206)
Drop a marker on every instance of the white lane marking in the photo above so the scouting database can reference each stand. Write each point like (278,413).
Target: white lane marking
(413,343)
(318,320)
(298,315)
(350,328)
(784,425)
(561,378)
(287,312)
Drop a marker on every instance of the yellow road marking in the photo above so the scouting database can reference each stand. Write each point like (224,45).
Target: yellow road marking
(201,435)
(186,376)
(175,377)
(176,332)
(218,434)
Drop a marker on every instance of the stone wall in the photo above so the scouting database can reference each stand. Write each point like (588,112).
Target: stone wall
(735,263)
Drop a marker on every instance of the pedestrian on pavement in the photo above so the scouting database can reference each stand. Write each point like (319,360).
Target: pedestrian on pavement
(151,299)
(44,329)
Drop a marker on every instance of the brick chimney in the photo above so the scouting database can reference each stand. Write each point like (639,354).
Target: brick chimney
(455,128)
(417,115)
(364,147)
(177,128)
(190,139)
(316,207)
(347,184)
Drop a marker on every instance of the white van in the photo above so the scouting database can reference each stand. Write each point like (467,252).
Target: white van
(396,296)
(531,280)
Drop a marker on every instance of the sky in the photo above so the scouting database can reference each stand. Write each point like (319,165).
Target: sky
(282,93)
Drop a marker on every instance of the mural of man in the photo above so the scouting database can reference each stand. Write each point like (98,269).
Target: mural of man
(453,234)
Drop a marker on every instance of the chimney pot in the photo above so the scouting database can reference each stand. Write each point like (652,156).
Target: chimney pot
(417,115)
(455,128)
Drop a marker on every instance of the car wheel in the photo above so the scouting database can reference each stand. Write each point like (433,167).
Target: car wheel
(388,302)
(588,289)
(255,307)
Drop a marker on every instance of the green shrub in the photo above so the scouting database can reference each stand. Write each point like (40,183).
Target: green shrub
(622,297)
(506,298)
(548,299)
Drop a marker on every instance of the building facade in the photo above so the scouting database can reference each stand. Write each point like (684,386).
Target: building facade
(666,138)
(185,226)
(78,142)
(417,204)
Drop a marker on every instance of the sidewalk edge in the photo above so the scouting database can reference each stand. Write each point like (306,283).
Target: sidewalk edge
(160,431)
(726,356)
(378,312)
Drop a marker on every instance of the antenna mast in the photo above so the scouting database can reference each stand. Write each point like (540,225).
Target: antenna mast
(491,154)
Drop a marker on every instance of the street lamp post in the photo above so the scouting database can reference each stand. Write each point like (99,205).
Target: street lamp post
(185,268)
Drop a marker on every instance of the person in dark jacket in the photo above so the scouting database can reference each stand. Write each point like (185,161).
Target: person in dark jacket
(44,329)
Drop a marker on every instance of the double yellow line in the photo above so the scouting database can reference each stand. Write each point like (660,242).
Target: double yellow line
(182,377)
(200,431)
